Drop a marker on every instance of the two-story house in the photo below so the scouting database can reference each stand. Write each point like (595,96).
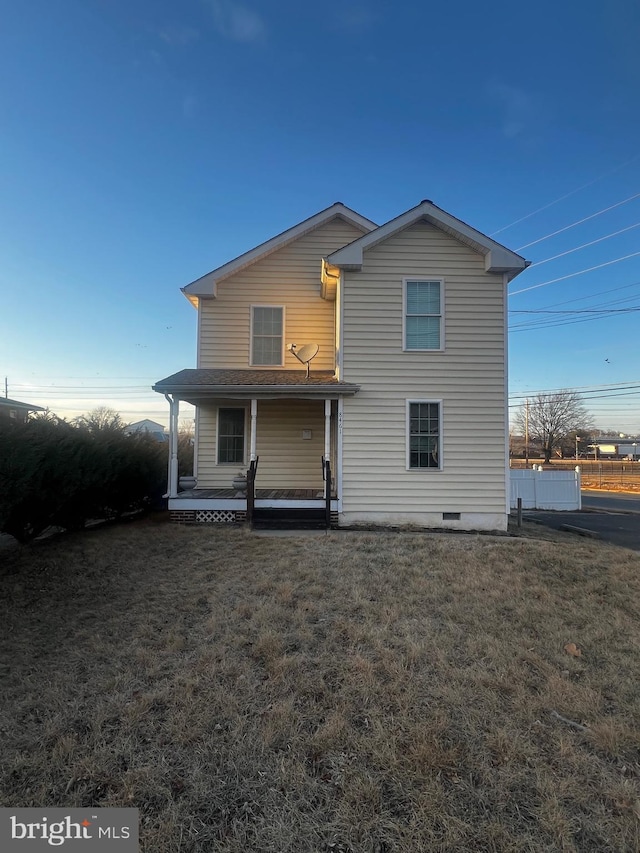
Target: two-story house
(405,324)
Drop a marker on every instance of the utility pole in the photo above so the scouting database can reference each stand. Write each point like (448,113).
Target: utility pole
(526,433)
(6,387)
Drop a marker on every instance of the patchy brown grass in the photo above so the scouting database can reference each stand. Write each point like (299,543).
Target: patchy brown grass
(369,692)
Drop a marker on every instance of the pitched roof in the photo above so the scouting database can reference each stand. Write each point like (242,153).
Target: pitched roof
(498,259)
(231,383)
(144,425)
(206,285)
(16,404)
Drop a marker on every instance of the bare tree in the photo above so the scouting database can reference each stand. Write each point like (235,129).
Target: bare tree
(552,417)
(100,420)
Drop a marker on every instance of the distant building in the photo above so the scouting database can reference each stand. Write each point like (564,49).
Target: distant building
(14,410)
(616,447)
(149,427)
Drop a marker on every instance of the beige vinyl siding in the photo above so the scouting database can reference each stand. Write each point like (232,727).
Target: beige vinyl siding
(468,377)
(287,461)
(289,277)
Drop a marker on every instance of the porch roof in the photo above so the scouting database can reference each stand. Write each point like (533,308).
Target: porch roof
(194,383)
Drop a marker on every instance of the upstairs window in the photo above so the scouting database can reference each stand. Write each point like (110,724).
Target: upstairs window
(423,314)
(231,436)
(424,434)
(267,325)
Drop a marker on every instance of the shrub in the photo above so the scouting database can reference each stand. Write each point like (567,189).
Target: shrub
(56,473)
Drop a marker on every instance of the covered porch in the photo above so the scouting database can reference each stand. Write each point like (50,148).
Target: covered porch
(280,428)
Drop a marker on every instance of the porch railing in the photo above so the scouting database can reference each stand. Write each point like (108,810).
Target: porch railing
(251,488)
(326,475)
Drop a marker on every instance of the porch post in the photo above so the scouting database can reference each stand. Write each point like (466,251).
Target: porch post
(254,421)
(174,409)
(327,429)
(327,447)
(327,467)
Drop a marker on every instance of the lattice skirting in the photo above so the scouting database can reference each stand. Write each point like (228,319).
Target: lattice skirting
(215,516)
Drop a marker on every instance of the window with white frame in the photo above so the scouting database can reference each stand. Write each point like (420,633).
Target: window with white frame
(424,437)
(423,314)
(267,327)
(231,436)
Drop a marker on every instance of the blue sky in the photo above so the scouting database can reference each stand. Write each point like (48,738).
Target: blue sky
(145,143)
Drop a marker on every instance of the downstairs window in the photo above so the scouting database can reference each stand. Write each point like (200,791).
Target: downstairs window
(231,423)
(424,434)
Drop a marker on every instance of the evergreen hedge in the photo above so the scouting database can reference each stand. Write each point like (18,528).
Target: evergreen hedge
(56,473)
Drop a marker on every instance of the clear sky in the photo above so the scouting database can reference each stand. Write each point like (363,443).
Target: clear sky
(146,142)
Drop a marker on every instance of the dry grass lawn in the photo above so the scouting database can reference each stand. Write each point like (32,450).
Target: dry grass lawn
(370,692)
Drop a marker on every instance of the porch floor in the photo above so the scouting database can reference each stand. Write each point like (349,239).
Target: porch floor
(261,494)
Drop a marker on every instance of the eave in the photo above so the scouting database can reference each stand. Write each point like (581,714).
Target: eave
(258,392)
(197,385)
(206,286)
(497,258)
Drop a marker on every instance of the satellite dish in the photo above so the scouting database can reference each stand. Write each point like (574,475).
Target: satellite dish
(305,354)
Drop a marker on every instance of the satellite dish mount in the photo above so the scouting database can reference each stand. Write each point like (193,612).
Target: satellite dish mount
(305,353)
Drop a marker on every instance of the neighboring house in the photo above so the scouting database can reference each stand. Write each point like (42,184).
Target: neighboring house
(410,321)
(147,426)
(14,410)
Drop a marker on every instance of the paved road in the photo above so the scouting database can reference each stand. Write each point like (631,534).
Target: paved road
(613,519)
(629,502)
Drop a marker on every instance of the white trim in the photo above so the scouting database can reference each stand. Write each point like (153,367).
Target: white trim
(198,335)
(327,429)
(239,504)
(244,438)
(430,279)
(498,259)
(174,412)
(507,472)
(208,503)
(266,366)
(170,402)
(440,435)
(340,327)
(206,285)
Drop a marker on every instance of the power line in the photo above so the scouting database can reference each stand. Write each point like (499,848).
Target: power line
(599,311)
(582,311)
(573,274)
(586,397)
(579,222)
(550,324)
(611,386)
(584,245)
(567,195)
(597,293)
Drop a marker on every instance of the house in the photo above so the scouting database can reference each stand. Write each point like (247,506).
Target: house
(14,410)
(147,427)
(407,322)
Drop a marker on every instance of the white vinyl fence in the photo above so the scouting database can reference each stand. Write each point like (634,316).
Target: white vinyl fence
(545,489)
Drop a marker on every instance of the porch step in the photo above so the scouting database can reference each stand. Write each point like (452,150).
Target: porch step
(289,519)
